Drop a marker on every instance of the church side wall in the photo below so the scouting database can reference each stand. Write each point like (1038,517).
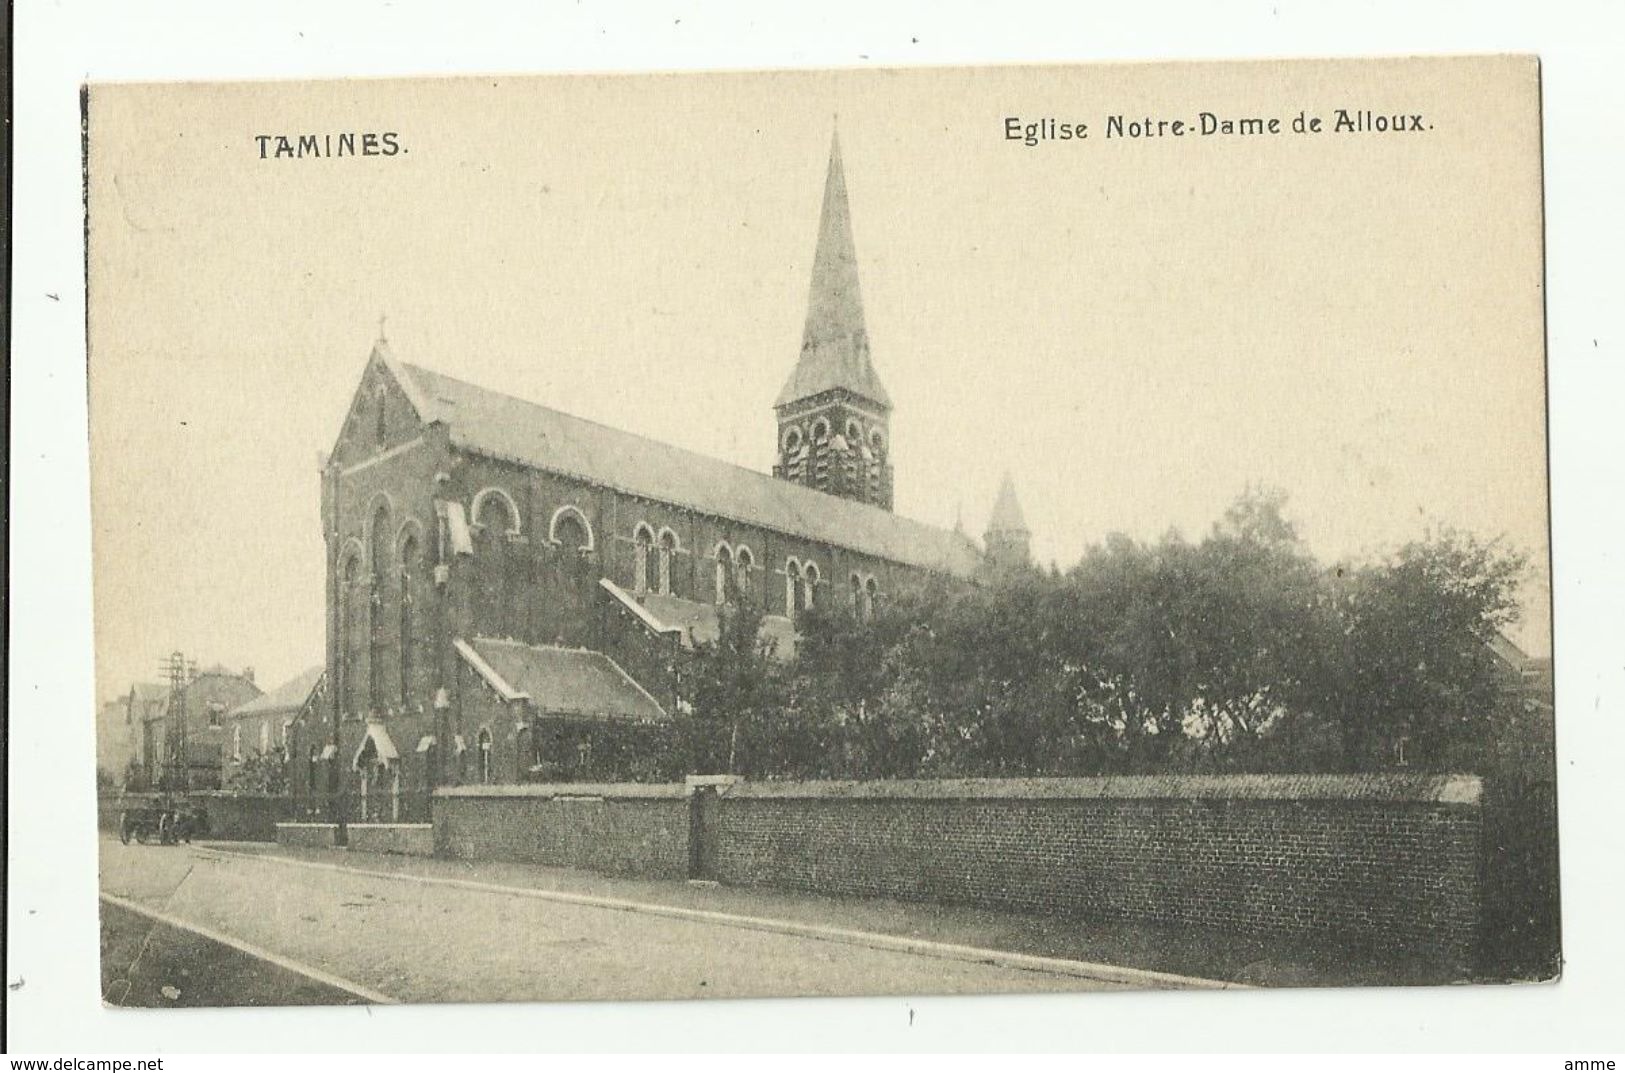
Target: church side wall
(527,588)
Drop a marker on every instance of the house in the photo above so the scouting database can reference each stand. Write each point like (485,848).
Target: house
(263,726)
(156,713)
(502,576)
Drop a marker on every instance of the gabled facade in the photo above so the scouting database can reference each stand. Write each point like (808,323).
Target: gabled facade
(203,703)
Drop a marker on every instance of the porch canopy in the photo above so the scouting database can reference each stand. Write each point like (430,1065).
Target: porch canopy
(375,745)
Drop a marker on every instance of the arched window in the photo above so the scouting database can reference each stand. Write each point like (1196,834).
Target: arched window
(643,540)
(668,552)
(408,568)
(854,434)
(381,415)
(792,440)
(349,623)
(265,738)
(570,530)
(237,742)
(820,432)
(724,572)
(809,584)
(877,443)
(857,595)
(484,746)
(380,567)
(792,587)
(743,562)
(871,598)
(496,512)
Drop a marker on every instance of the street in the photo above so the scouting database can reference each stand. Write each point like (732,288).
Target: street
(417,940)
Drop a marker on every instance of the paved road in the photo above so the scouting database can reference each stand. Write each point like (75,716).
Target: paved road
(420,942)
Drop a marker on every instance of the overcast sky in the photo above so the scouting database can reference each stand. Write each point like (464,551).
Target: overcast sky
(1136,329)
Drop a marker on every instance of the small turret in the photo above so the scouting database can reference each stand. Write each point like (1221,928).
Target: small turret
(1008,540)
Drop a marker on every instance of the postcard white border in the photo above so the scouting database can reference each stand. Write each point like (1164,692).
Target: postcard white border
(52,904)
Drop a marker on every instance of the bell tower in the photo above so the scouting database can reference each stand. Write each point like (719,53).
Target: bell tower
(834,416)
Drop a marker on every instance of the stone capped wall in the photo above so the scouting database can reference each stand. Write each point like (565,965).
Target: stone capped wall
(1374,859)
(620,829)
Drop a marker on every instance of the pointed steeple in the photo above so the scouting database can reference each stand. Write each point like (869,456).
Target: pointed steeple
(1007,516)
(1007,538)
(834,343)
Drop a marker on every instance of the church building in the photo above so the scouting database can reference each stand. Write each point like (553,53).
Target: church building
(501,575)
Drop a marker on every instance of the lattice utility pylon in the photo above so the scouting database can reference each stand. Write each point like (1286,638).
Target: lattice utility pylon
(177,773)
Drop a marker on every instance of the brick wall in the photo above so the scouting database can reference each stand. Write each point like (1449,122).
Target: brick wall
(1382,859)
(1385,859)
(232,817)
(621,829)
(244,817)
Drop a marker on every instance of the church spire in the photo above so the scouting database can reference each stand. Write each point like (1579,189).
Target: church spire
(833,412)
(1007,538)
(834,343)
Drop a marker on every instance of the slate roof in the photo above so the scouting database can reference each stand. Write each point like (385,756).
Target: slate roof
(561,681)
(290,696)
(489,422)
(835,343)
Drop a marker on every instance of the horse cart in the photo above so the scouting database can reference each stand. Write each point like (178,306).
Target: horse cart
(167,821)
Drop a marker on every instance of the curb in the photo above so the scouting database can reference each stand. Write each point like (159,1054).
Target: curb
(366,994)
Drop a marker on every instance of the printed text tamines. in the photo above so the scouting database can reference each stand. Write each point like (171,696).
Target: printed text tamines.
(1121,126)
(328,146)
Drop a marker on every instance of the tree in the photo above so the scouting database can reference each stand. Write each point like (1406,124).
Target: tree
(260,773)
(1416,662)
(725,682)
(1235,652)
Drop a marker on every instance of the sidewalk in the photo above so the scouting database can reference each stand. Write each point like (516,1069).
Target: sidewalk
(1157,948)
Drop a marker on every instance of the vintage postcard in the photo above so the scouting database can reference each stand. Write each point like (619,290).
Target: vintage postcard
(821,533)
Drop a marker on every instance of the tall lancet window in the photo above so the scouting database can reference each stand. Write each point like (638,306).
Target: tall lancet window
(642,552)
(809,585)
(792,587)
(668,552)
(408,568)
(349,632)
(497,520)
(376,631)
(724,572)
(743,562)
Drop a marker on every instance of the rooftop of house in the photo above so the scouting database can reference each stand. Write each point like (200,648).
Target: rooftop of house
(290,696)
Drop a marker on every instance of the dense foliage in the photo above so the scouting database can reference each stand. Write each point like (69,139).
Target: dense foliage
(1237,652)
(260,773)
